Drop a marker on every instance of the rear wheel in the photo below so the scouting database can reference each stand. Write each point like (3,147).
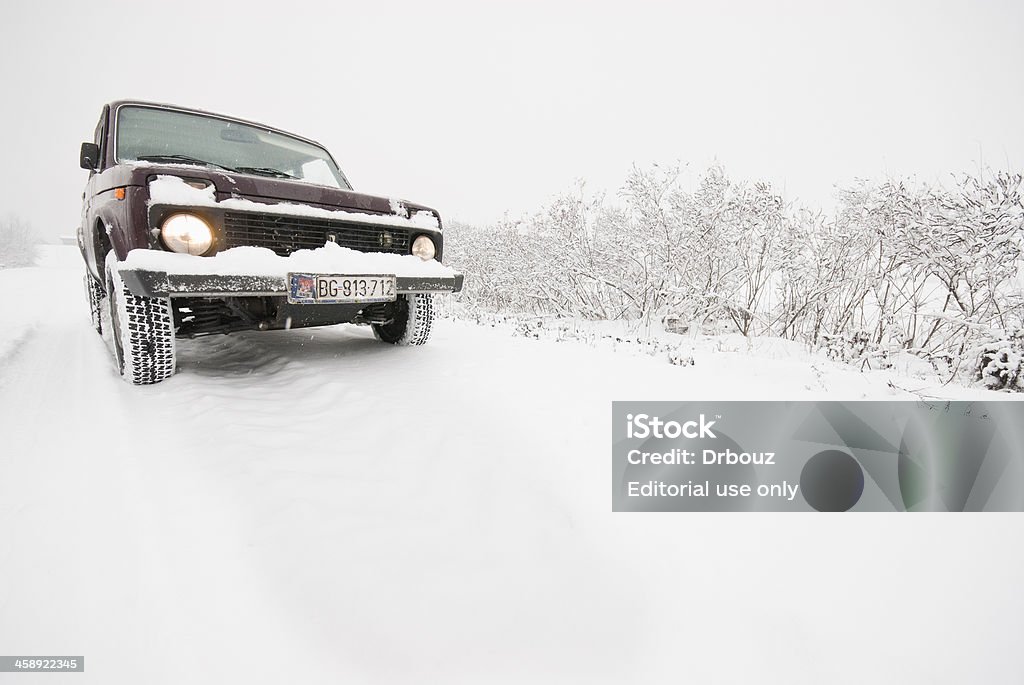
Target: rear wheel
(94,296)
(414,316)
(142,330)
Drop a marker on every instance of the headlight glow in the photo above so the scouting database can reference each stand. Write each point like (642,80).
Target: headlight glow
(187,233)
(423,247)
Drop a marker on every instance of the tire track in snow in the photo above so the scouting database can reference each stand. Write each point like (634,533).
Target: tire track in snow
(10,350)
(107,524)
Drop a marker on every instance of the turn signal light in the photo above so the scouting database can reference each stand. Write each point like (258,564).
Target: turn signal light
(119,193)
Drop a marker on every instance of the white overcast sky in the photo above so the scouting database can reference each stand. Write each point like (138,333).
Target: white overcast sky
(483,108)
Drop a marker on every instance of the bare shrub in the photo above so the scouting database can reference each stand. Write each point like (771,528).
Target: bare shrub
(899,267)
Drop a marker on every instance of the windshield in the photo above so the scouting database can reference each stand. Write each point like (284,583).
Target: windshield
(161,135)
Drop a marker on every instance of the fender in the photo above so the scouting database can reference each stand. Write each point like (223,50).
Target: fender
(115,224)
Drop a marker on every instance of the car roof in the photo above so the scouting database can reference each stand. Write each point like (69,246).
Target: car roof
(191,110)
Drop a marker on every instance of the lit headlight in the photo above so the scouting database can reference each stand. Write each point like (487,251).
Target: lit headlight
(187,233)
(423,247)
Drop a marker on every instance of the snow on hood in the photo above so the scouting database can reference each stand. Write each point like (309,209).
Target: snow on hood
(260,261)
(172,190)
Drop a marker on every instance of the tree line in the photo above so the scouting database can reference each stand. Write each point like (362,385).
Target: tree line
(933,270)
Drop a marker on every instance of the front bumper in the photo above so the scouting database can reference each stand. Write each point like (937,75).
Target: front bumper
(146,283)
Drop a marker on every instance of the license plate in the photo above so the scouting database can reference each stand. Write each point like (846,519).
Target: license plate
(328,289)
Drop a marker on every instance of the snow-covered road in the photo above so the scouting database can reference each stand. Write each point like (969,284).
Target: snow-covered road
(313,506)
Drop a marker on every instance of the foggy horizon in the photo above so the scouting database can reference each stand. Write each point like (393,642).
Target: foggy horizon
(482,112)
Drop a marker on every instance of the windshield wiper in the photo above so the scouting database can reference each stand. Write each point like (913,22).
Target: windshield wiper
(265,170)
(185,159)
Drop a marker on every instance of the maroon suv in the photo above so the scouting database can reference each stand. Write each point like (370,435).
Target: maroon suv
(195,223)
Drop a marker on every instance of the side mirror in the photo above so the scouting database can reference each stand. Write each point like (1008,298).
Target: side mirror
(89,158)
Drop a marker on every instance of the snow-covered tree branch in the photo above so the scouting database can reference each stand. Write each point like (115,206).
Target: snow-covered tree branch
(933,271)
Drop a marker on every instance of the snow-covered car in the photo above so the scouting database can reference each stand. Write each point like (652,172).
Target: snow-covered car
(196,223)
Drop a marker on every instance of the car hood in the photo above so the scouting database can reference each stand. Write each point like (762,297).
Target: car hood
(274,190)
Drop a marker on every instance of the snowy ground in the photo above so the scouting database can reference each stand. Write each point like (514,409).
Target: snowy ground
(312,506)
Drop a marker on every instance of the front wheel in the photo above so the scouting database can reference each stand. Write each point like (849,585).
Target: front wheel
(142,330)
(414,316)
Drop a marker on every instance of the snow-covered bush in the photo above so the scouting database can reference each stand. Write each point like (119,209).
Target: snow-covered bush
(680,357)
(17,243)
(856,348)
(899,267)
(1000,364)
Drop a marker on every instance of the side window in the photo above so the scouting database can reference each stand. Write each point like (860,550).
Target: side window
(100,137)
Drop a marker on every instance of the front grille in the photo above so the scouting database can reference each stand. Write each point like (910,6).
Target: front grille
(286,234)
